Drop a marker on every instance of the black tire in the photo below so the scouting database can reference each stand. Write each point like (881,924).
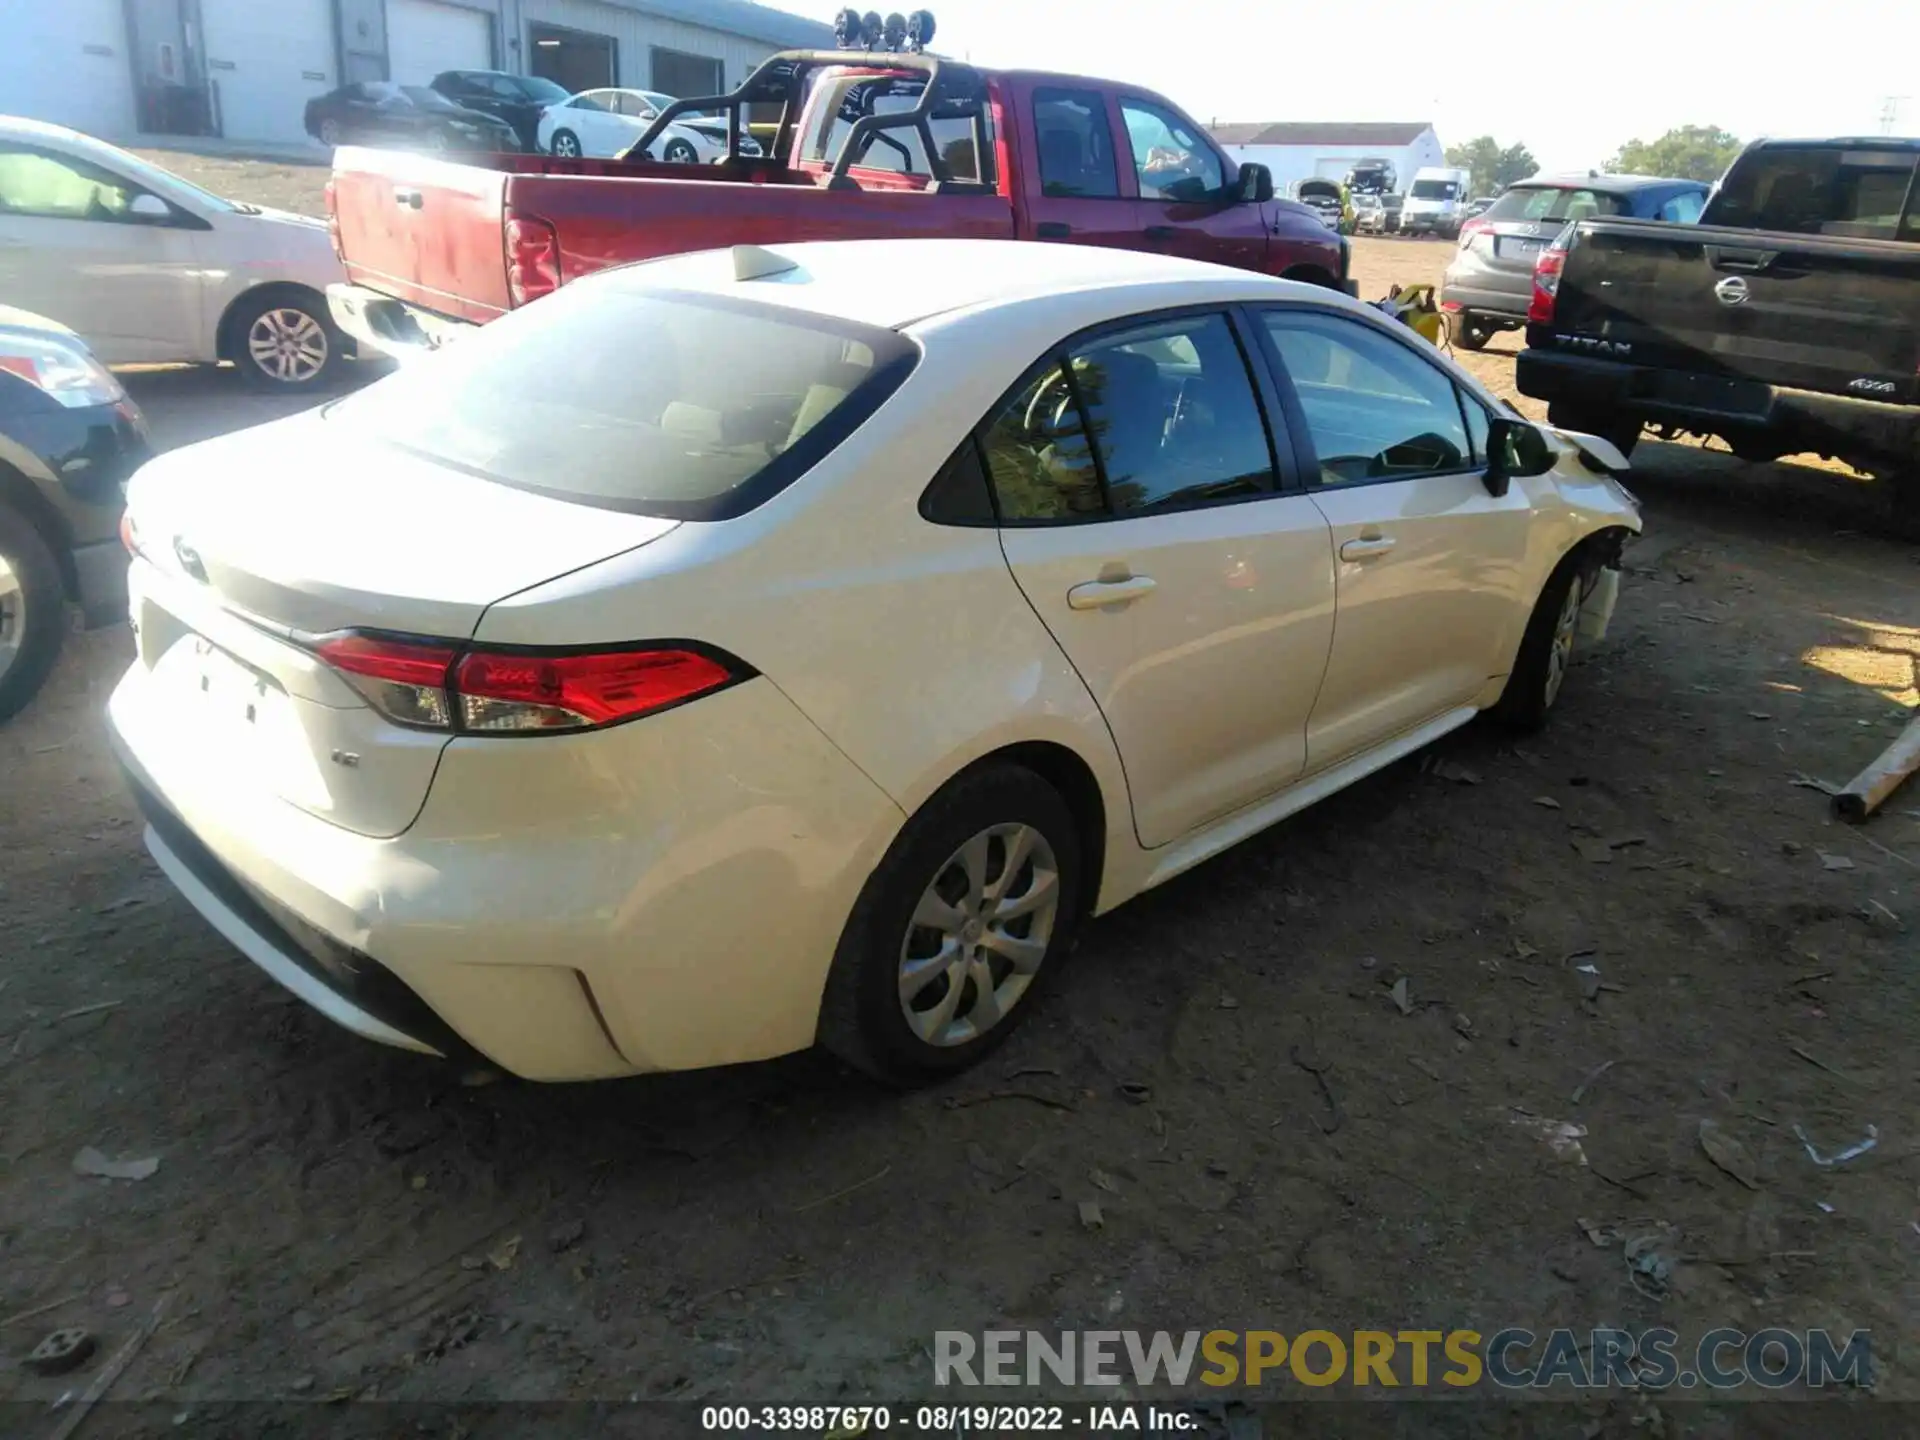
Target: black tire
(33,616)
(863,1015)
(253,310)
(1469,333)
(681,152)
(1622,430)
(1532,685)
(565,145)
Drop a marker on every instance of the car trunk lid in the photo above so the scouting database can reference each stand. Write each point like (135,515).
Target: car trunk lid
(255,545)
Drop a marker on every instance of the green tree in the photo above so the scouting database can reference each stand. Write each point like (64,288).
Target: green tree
(1692,152)
(1494,166)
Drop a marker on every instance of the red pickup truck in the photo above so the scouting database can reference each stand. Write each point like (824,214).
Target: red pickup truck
(866,146)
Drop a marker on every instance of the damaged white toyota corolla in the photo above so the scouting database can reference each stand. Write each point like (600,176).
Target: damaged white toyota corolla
(758,648)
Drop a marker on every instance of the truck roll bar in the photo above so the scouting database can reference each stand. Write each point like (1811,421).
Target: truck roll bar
(953,91)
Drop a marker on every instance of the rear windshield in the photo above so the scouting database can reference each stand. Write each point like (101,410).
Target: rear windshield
(1435,190)
(689,407)
(1824,190)
(1553,202)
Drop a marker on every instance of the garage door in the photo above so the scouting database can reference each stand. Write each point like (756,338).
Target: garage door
(265,62)
(425,37)
(68,64)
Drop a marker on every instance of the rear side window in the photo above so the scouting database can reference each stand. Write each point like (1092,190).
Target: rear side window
(1682,209)
(964,141)
(1075,144)
(691,407)
(1823,190)
(1554,203)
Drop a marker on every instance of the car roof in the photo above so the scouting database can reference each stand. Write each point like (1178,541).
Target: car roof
(898,283)
(1581,180)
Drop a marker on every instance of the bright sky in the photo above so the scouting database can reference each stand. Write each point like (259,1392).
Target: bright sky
(1572,81)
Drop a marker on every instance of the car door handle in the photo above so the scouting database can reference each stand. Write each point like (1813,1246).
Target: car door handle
(1162,232)
(1053,230)
(1367,547)
(1098,594)
(410,198)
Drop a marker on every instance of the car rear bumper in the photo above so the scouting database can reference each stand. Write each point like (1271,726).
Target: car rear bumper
(1494,296)
(662,895)
(381,324)
(1720,405)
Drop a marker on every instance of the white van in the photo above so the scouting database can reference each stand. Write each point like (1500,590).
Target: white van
(1436,202)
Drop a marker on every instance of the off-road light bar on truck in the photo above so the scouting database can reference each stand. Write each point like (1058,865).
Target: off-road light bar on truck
(428,684)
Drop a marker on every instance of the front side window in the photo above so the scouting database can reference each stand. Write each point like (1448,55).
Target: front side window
(724,403)
(1076,147)
(1158,418)
(50,187)
(1173,162)
(1375,409)
(633,105)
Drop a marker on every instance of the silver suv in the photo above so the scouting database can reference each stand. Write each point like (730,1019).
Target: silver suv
(1490,282)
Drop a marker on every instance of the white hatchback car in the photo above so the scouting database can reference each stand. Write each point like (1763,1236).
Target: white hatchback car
(150,269)
(749,648)
(602,124)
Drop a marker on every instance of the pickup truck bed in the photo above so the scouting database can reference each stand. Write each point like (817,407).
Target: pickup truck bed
(1778,341)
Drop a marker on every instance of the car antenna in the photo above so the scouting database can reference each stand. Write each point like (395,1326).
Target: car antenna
(752,262)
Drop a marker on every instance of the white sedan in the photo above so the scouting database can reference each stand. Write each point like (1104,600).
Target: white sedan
(601,124)
(816,679)
(148,268)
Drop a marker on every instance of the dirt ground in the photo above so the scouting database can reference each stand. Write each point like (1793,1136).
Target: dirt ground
(330,1219)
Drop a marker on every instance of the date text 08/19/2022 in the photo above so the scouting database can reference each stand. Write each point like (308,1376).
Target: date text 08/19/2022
(848,1421)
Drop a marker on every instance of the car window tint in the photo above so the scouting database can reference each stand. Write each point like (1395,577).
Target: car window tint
(635,107)
(1037,453)
(1075,145)
(601,100)
(1170,159)
(1817,190)
(1684,208)
(1171,410)
(730,390)
(1375,409)
(1552,202)
(1479,425)
(958,494)
(60,188)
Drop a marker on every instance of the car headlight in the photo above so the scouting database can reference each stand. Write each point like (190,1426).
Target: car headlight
(61,367)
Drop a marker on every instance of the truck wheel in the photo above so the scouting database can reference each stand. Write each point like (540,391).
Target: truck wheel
(33,611)
(566,145)
(1622,430)
(1470,333)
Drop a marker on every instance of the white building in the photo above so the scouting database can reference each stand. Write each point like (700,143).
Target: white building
(1299,151)
(244,70)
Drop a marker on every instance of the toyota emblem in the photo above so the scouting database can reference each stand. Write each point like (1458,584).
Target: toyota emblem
(189,559)
(1732,291)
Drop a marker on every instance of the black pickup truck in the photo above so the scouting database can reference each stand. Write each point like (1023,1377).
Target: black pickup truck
(1787,321)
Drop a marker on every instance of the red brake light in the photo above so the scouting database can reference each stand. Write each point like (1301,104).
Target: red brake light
(533,257)
(333,222)
(1546,283)
(129,536)
(571,692)
(437,686)
(1472,228)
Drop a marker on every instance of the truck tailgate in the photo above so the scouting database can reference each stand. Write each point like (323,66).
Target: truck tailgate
(1807,312)
(423,230)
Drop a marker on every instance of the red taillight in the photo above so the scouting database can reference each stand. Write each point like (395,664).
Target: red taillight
(1546,284)
(333,222)
(533,257)
(440,687)
(1472,228)
(571,692)
(129,536)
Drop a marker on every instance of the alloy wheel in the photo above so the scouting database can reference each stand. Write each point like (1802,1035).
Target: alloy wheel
(1560,653)
(567,148)
(979,934)
(13,616)
(288,345)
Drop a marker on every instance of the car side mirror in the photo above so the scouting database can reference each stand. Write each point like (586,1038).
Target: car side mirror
(149,207)
(1256,184)
(1515,450)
